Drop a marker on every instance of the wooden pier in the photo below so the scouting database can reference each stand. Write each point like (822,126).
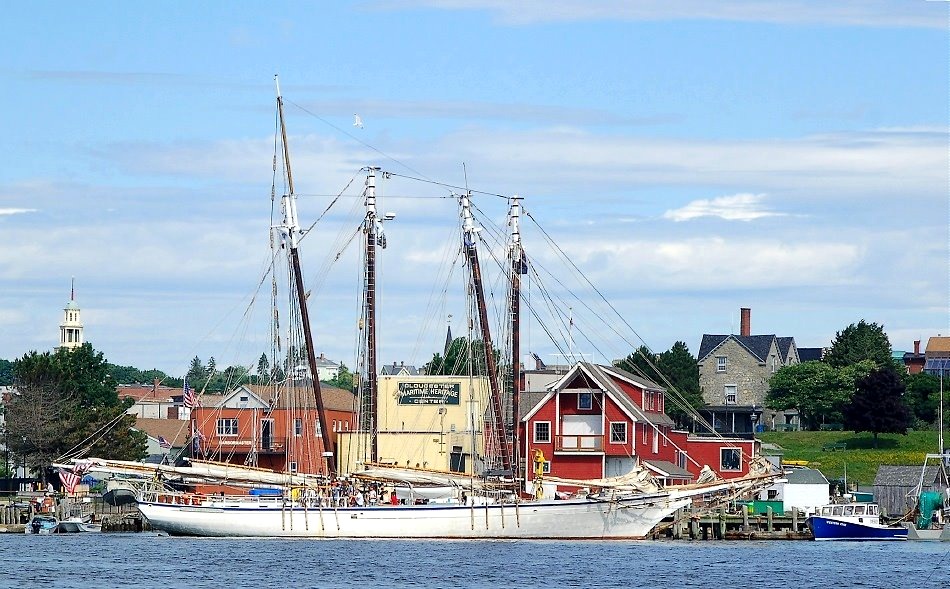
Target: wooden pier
(687,525)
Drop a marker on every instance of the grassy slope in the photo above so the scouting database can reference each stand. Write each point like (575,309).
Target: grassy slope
(861,457)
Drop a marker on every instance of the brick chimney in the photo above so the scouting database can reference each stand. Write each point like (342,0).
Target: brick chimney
(745,321)
(917,347)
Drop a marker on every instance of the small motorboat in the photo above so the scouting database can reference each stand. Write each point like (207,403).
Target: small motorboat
(42,524)
(852,521)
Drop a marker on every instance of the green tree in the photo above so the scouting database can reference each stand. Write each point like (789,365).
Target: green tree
(67,402)
(132,375)
(676,367)
(816,390)
(227,379)
(196,371)
(263,366)
(861,341)
(923,396)
(456,360)
(343,380)
(6,373)
(878,404)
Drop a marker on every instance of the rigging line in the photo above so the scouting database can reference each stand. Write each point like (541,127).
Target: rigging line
(447,265)
(686,407)
(329,206)
(355,138)
(582,275)
(447,185)
(388,196)
(98,434)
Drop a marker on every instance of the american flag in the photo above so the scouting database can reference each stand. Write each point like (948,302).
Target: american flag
(69,479)
(163,442)
(190,399)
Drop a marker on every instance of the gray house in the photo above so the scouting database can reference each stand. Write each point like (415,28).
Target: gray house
(734,372)
(895,487)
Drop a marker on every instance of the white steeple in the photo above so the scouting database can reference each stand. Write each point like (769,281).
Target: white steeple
(70,330)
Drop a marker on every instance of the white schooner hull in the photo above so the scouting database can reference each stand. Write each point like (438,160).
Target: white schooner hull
(571,519)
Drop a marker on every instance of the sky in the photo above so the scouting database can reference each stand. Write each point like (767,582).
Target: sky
(690,158)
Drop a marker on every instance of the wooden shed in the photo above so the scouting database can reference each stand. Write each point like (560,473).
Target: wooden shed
(895,487)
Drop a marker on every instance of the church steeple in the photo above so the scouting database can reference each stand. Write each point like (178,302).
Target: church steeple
(70,330)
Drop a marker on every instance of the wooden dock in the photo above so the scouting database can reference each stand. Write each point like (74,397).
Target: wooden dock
(688,525)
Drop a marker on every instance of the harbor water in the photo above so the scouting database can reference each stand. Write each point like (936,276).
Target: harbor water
(153,560)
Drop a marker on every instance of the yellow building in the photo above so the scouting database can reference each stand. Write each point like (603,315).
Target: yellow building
(427,421)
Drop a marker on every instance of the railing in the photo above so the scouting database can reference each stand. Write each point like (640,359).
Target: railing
(276,445)
(579,443)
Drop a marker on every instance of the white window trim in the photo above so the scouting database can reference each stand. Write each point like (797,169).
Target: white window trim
(546,467)
(625,428)
(722,467)
(725,395)
(587,395)
(298,427)
(292,466)
(656,440)
(720,363)
(229,420)
(534,435)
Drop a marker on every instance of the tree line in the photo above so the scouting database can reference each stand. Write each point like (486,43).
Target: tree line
(857,384)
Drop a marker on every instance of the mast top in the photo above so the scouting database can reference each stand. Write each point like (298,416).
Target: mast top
(514,216)
(469,228)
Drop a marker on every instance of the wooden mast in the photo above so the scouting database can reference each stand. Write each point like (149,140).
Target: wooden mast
(370,225)
(291,230)
(517,269)
(469,230)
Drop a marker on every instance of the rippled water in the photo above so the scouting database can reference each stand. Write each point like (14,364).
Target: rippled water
(162,562)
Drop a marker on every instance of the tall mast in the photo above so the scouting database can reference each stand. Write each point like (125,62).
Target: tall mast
(370,225)
(517,269)
(291,230)
(469,230)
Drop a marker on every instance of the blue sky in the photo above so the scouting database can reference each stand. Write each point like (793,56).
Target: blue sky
(691,157)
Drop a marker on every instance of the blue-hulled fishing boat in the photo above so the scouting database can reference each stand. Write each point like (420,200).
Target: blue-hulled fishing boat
(852,521)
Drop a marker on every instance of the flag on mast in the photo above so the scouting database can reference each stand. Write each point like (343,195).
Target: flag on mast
(190,399)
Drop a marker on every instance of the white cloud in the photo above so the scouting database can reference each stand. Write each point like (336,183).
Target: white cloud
(738,207)
(873,13)
(860,164)
(12,211)
(716,263)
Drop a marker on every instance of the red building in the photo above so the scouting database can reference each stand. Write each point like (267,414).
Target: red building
(599,421)
(274,428)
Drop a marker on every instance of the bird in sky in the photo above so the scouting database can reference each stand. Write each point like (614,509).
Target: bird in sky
(357,121)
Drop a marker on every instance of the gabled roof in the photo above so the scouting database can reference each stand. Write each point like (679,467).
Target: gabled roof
(395,369)
(322,362)
(938,344)
(806,476)
(528,401)
(299,396)
(810,354)
(602,377)
(784,346)
(904,476)
(147,393)
(757,345)
(668,469)
(173,430)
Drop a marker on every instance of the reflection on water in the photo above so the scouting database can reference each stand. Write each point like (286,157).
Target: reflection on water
(150,560)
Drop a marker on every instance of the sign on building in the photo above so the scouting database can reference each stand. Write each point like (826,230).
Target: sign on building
(429,393)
